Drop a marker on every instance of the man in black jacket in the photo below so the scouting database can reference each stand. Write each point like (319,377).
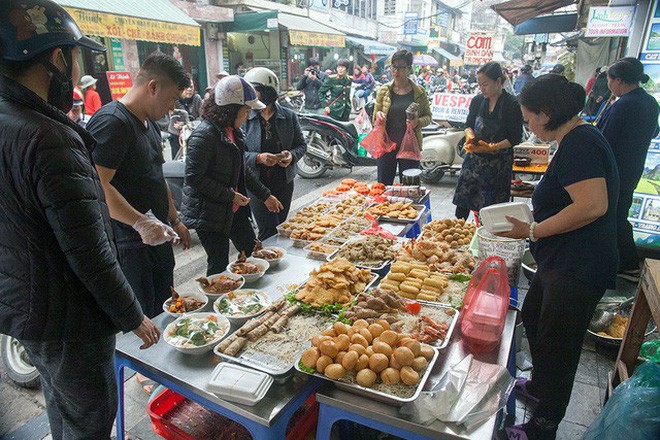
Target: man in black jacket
(62,292)
(310,83)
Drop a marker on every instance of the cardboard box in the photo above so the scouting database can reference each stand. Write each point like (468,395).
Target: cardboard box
(539,153)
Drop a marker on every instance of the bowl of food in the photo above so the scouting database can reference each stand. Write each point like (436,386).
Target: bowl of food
(272,254)
(186,302)
(240,305)
(619,314)
(196,333)
(249,268)
(217,285)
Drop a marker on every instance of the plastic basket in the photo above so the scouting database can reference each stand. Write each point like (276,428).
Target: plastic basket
(509,249)
(166,408)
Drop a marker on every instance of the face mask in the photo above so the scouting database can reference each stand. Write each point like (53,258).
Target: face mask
(268,95)
(60,91)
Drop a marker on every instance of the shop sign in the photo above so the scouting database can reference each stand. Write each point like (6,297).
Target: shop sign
(479,49)
(605,21)
(272,23)
(119,83)
(410,21)
(302,38)
(214,14)
(451,107)
(117,54)
(132,28)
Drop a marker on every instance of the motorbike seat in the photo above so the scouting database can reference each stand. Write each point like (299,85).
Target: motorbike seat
(346,126)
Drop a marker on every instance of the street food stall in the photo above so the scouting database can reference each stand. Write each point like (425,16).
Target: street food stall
(335,304)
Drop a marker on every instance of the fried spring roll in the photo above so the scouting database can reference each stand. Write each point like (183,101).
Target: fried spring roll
(254,323)
(290,311)
(258,332)
(235,347)
(280,324)
(227,342)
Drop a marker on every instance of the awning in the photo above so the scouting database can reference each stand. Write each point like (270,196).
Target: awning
(444,53)
(517,11)
(548,24)
(371,47)
(304,31)
(148,20)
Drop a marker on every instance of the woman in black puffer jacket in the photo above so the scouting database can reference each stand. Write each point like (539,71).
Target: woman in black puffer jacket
(216,180)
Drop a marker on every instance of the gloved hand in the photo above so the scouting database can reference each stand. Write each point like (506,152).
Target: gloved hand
(481,147)
(154,232)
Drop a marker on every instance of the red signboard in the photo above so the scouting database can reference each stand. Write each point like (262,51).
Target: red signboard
(119,83)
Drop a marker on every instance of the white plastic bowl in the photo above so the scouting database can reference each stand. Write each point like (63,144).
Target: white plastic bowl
(195,295)
(239,318)
(222,321)
(276,261)
(226,273)
(252,277)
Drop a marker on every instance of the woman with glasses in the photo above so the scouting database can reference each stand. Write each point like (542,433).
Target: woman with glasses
(496,120)
(392,101)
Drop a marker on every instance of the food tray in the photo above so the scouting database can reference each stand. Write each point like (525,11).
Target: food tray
(378,395)
(378,268)
(282,232)
(452,325)
(316,255)
(419,208)
(374,278)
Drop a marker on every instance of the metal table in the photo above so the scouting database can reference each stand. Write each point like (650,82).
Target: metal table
(335,404)
(188,375)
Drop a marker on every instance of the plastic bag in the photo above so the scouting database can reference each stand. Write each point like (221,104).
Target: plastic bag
(362,122)
(409,148)
(375,229)
(377,142)
(633,410)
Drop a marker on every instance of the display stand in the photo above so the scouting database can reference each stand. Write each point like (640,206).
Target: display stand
(647,305)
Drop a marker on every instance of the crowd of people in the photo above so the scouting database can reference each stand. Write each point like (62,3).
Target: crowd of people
(89,221)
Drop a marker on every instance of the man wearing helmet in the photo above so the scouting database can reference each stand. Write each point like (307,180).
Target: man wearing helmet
(62,292)
(274,142)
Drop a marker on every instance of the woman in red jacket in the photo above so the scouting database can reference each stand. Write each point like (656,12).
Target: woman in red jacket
(92,97)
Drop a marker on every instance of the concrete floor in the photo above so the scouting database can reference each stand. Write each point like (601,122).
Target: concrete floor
(22,414)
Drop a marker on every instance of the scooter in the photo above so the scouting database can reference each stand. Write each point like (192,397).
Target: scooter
(442,153)
(17,364)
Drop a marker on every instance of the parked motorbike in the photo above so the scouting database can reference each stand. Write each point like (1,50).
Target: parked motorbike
(17,365)
(293,99)
(442,153)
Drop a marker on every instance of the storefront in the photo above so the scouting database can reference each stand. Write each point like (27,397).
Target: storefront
(130,31)
(282,42)
(370,51)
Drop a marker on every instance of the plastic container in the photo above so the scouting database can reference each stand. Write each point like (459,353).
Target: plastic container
(509,249)
(166,409)
(493,217)
(239,384)
(485,306)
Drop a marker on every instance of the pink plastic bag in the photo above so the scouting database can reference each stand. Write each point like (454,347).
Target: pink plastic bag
(409,148)
(377,142)
(375,229)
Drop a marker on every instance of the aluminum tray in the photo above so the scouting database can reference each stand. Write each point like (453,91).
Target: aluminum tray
(316,255)
(380,267)
(374,278)
(419,208)
(452,325)
(378,395)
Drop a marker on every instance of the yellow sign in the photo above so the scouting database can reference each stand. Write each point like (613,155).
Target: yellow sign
(301,38)
(131,28)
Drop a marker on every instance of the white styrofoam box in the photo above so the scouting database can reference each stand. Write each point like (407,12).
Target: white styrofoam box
(239,384)
(539,154)
(493,217)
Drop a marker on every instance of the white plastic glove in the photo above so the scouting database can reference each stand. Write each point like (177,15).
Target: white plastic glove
(152,231)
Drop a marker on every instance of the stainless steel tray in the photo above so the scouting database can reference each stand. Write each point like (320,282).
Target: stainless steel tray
(380,396)
(381,266)
(374,278)
(419,208)
(316,255)
(452,325)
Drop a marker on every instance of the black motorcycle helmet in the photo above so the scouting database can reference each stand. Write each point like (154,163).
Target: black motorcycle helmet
(31,27)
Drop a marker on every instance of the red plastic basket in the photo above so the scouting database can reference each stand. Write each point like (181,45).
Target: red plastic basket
(174,417)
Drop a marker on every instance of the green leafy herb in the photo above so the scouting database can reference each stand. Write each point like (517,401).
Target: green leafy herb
(223,306)
(325,309)
(306,369)
(460,277)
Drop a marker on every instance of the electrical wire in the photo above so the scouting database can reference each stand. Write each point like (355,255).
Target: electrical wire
(426,17)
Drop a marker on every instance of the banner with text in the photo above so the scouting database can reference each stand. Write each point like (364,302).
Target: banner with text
(119,83)
(451,107)
(607,21)
(479,49)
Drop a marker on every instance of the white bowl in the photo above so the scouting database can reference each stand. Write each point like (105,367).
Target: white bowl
(252,277)
(276,261)
(239,318)
(221,320)
(195,295)
(228,275)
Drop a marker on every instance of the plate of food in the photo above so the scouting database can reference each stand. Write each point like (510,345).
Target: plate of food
(332,286)
(187,302)
(249,268)
(272,341)
(240,305)
(368,252)
(319,250)
(272,254)
(196,333)
(374,361)
(437,256)
(397,212)
(216,285)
